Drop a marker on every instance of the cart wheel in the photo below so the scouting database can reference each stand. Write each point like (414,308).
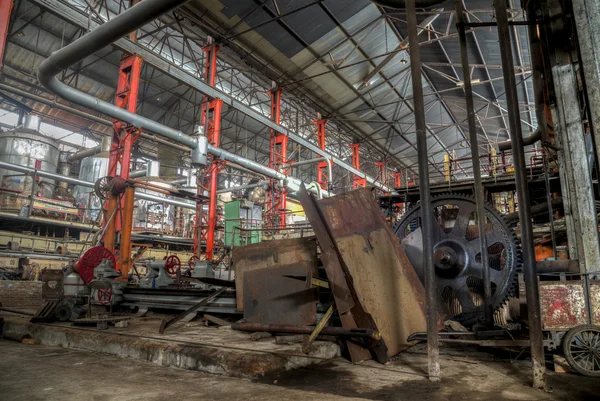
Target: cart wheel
(581,346)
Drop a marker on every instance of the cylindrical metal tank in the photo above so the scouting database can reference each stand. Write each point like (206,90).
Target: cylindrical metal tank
(26,147)
(91,169)
(73,285)
(152,215)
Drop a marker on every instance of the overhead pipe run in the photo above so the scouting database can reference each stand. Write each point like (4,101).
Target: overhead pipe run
(113,30)
(530,140)
(310,161)
(103,149)
(88,184)
(242,187)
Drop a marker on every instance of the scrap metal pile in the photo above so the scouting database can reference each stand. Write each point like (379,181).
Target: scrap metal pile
(366,279)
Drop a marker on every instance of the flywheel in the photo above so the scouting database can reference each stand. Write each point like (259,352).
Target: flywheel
(457,256)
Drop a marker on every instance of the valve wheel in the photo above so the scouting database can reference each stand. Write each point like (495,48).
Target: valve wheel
(105,296)
(192,262)
(86,264)
(103,186)
(172,264)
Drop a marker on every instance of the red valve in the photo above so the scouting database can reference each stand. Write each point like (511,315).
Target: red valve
(172,264)
(86,264)
(192,262)
(105,296)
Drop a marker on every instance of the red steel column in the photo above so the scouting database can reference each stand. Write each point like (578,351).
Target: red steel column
(211,121)
(5,9)
(357,182)
(322,168)
(397,179)
(278,153)
(124,135)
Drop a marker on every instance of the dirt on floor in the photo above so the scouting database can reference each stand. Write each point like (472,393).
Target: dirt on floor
(36,372)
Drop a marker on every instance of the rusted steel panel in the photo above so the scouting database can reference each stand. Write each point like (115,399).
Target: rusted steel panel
(595,301)
(269,254)
(385,283)
(563,304)
(351,312)
(271,298)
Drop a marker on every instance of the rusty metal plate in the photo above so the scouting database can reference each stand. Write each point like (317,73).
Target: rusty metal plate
(270,254)
(563,304)
(271,298)
(385,283)
(595,301)
(52,284)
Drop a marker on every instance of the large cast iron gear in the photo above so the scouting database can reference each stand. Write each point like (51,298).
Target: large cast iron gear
(457,257)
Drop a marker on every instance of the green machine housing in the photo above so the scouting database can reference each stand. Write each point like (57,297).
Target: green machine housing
(241,215)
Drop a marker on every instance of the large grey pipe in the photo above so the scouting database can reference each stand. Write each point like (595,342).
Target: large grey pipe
(530,140)
(88,184)
(104,35)
(126,22)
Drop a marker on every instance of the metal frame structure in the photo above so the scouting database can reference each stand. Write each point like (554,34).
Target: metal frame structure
(174,39)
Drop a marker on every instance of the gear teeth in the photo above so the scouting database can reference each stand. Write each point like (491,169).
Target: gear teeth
(510,284)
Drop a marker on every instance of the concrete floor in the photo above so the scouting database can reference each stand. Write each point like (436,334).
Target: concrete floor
(36,372)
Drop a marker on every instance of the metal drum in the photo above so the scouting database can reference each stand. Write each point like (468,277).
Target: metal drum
(91,169)
(26,147)
(152,215)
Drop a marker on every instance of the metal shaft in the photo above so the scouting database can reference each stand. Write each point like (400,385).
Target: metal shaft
(427,222)
(516,136)
(478,187)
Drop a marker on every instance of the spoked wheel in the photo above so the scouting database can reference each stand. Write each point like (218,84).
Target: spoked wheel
(103,186)
(581,346)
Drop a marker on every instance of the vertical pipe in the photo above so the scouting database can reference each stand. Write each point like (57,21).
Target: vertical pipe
(478,187)
(516,137)
(427,223)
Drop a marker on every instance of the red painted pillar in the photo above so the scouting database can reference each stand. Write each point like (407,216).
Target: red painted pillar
(397,179)
(210,119)
(124,136)
(278,155)
(322,168)
(5,9)
(358,181)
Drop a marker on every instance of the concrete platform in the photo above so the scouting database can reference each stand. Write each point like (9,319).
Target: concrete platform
(191,346)
(40,372)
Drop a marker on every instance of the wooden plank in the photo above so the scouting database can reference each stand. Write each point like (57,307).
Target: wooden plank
(268,254)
